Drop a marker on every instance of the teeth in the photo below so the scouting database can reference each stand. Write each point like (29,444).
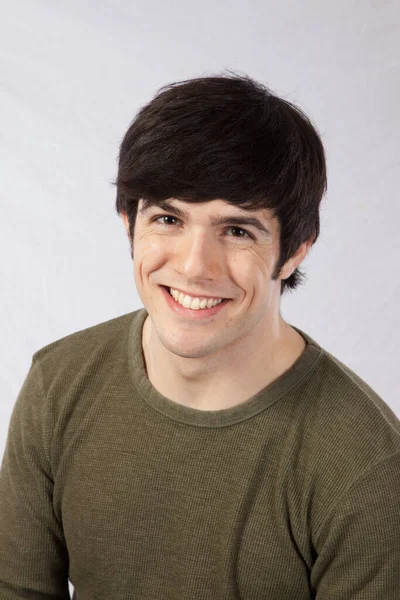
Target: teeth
(193,303)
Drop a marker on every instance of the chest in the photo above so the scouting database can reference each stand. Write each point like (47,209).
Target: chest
(160,513)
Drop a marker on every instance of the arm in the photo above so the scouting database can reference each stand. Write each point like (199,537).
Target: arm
(33,555)
(358,545)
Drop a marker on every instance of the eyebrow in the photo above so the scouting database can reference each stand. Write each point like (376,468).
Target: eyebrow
(227,220)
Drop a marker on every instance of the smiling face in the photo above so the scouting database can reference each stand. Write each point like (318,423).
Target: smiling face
(209,249)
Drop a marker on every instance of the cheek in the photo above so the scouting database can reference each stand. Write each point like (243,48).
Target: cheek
(255,264)
(147,259)
(249,273)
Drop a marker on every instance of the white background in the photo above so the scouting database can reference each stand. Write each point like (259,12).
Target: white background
(73,76)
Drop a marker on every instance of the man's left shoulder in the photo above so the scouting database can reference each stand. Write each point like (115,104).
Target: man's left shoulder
(356,399)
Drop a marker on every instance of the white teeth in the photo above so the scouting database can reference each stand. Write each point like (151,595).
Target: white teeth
(193,303)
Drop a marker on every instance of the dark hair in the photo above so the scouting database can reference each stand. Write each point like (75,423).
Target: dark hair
(226,137)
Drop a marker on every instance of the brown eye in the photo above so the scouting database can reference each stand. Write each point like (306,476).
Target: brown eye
(163,217)
(240,229)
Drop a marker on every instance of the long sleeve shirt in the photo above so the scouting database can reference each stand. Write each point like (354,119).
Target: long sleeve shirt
(106,483)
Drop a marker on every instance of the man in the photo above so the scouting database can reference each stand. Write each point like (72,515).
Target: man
(202,447)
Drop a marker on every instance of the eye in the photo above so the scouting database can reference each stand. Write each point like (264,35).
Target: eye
(233,227)
(240,229)
(164,217)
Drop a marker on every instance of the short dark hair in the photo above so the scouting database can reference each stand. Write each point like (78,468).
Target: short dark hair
(226,137)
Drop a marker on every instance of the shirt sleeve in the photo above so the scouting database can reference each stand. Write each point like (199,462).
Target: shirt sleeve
(33,555)
(358,546)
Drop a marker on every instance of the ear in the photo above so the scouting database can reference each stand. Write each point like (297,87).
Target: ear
(294,261)
(126,222)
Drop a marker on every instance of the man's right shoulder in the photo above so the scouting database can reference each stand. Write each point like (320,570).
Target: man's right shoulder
(79,347)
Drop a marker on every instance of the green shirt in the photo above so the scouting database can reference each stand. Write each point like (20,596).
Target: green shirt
(292,495)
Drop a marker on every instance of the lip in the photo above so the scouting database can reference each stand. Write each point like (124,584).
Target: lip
(197,295)
(195,315)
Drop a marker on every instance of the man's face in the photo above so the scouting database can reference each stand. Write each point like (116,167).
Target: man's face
(195,254)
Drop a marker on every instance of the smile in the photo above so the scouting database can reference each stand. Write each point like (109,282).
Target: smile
(192,307)
(193,302)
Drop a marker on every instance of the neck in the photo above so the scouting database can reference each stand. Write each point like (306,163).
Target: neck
(227,377)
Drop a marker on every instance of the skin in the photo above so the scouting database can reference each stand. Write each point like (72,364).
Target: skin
(225,360)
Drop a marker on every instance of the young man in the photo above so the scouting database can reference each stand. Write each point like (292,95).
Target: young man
(201,447)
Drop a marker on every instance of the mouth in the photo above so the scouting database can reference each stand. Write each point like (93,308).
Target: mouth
(197,295)
(194,314)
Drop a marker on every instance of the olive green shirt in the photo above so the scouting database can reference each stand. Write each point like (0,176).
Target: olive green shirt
(291,495)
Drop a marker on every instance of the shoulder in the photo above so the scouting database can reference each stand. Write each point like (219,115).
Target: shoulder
(347,429)
(354,427)
(351,402)
(85,350)
(342,403)
(344,431)
(94,335)
(78,377)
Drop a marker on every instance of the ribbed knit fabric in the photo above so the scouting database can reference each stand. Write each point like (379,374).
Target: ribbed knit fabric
(292,495)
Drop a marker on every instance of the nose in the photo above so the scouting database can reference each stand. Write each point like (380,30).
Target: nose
(200,257)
